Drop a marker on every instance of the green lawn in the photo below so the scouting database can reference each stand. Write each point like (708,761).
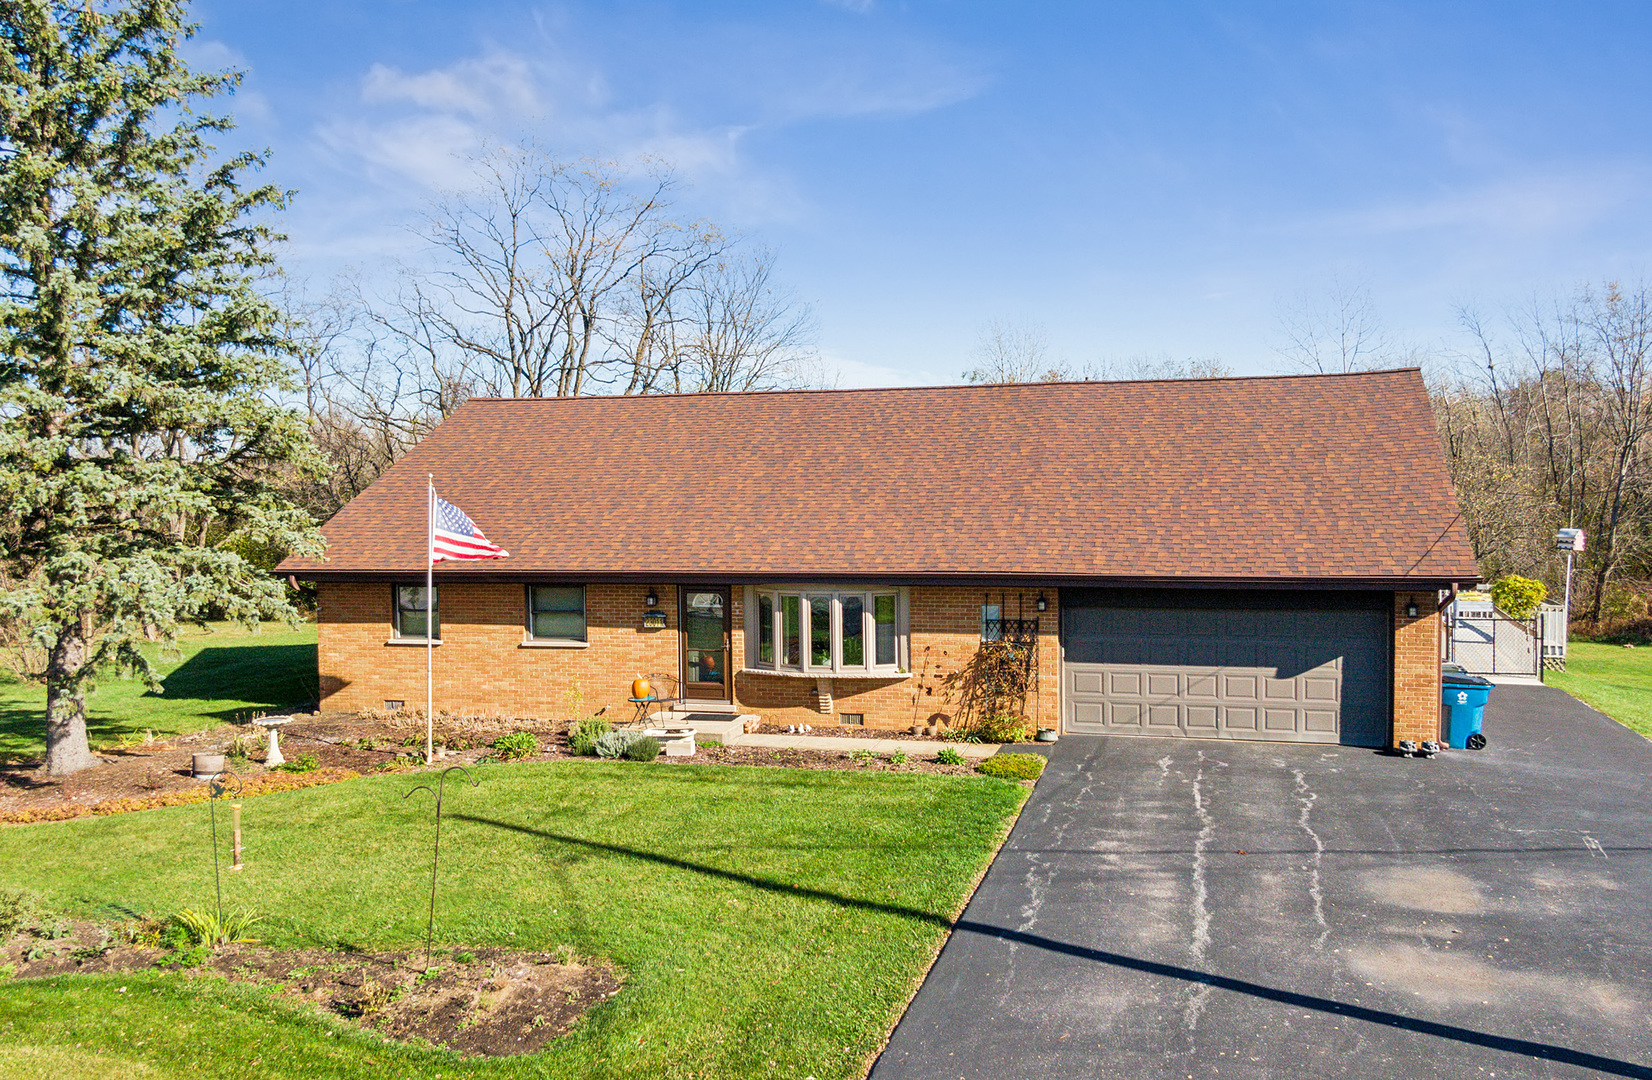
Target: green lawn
(769,922)
(221,673)
(1615,680)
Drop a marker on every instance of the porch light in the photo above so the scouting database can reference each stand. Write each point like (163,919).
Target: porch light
(652,600)
(1042,603)
(1411,610)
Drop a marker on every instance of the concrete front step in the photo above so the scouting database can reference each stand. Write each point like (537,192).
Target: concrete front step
(708,727)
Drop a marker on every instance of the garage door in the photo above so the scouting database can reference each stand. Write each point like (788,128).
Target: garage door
(1278,667)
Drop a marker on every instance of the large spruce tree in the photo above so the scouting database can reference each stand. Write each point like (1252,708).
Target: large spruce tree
(142,370)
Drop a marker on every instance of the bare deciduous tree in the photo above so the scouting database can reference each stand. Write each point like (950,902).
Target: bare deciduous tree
(1014,352)
(1337,332)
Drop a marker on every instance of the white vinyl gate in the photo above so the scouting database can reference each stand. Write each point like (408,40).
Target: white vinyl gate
(1488,642)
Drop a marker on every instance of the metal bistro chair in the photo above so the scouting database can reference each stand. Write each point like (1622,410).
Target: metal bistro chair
(643,706)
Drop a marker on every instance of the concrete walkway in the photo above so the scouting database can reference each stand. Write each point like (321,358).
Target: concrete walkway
(877,746)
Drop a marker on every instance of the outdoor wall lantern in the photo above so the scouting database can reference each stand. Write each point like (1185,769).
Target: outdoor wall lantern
(1411,610)
(652,600)
(1043,604)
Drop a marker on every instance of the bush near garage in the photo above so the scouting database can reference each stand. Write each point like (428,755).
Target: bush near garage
(1012,766)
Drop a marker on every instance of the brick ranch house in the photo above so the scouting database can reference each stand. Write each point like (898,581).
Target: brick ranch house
(1243,558)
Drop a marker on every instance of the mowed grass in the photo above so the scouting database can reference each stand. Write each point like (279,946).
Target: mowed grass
(221,673)
(1615,680)
(768,922)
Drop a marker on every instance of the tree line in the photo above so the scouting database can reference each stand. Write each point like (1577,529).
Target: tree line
(1546,424)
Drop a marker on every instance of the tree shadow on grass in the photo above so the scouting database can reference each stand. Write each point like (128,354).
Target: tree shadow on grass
(1278,995)
(249,679)
(256,677)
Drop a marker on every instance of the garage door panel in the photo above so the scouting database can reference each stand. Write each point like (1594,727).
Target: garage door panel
(1124,683)
(1289,674)
(1163,684)
(1201,719)
(1202,686)
(1125,714)
(1278,721)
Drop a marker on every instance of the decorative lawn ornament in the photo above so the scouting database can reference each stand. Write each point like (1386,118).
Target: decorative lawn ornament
(436,849)
(225,783)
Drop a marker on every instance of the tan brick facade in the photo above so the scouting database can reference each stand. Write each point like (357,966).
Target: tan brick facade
(1416,668)
(483,665)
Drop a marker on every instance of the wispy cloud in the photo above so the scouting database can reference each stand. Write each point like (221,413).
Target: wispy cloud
(1523,205)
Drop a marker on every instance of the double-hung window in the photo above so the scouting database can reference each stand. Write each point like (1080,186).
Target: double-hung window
(410,612)
(829,631)
(556,612)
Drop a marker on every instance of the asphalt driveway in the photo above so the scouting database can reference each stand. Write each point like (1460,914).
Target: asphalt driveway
(1181,908)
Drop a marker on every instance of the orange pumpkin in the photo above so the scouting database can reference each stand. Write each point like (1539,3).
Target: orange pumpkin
(640,688)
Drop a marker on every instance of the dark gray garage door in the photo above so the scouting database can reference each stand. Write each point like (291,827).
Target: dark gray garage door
(1284,667)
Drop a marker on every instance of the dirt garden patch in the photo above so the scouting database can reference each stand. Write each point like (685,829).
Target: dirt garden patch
(481,1002)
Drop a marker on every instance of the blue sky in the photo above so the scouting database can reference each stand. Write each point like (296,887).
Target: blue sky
(1139,179)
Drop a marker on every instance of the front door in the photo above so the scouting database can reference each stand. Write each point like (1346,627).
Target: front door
(705,620)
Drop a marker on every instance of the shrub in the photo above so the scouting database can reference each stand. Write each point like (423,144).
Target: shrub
(1004,728)
(516,745)
(205,928)
(949,756)
(644,749)
(1518,597)
(583,736)
(960,735)
(17,911)
(616,743)
(1012,766)
(301,763)
(897,758)
(863,755)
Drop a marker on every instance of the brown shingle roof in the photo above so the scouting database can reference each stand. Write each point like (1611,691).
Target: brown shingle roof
(1302,477)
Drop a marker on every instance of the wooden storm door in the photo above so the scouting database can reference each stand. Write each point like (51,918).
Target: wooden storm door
(706,661)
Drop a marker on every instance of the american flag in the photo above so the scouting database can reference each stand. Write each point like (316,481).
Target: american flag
(455,536)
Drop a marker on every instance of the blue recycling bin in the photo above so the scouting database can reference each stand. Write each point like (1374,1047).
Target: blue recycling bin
(1464,697)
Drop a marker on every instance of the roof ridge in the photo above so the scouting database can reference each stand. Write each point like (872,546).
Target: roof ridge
(1312,375)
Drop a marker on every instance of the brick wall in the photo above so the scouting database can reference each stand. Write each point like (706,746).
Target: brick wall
(1416,668)
(483,666)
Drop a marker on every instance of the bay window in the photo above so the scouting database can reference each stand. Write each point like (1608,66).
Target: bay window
(828,631)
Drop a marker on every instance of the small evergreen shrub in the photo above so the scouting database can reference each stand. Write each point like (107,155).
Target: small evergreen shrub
(644,749)
(949,756)
(515,746)
(1012,766)
(582,738)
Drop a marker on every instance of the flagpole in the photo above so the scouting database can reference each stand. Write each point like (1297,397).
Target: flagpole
(429,605)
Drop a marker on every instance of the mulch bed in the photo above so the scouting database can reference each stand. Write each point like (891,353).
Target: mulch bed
(481,1002)
(346,745)
(847,731)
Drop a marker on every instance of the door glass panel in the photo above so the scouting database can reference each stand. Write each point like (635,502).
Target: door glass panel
(703,654)
(854,632)
(765,629)
(792,615)
(883,621)
(820,631)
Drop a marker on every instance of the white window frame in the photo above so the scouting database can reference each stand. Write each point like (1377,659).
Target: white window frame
(834,594)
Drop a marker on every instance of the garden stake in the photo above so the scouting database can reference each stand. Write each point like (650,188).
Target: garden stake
(436,851)
(225,783)
(235,830)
